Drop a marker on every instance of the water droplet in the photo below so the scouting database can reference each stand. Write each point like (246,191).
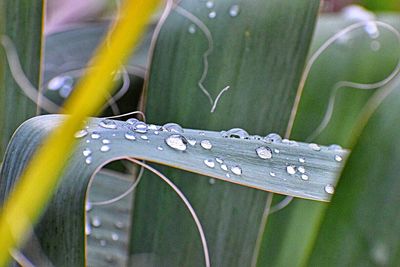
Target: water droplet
(277,151)
(380,254)
(206,144)
(103,243)
(236,170)
(301,169)
(192,28)
(172,128)
(88,229)
(224,167)
(87,141)
(119,225)
(304,177)
(152,127)
(234,10)
(96,222)
(273,138)
(314,147)
(156,132)
(95,135)
(88,160)
(375,45)
(80,134)
(255,137)
(227,175)
(212,14)
(202,133)
(330,189)
(338,158)
(272,174)
(209,4)
(372,30)
(140,127)
(176,141)
(264,152)
(88,206)
(114,236)
(130,136)
(104,148)
(293,143)
(144,137)
(334,147)
(59,81)
(132,121)
(291,169)
(160,148)
(106,141)
(87,152)
(108,124)
(211,181)
(235,133)
(209,163)
(302,160)
(192,142)
(219,160)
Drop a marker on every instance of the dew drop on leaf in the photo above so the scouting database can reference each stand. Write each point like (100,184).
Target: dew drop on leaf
(264,152)
(301,169)
(236,170)
(80,134)
(87,152)
(177,142)
(234,10)
(209,4)
(212,14)
(338,158)
(291,169)
(172,128)
(108,124)
(96,222)
(304,177)
(88,160)
(206,144)
(106,141)
(95,135)
(273,138)
(104,148)
(224,167)
(130,136)
(302,160)
(235,133)
(209,163)
(192,29)
(330,189)
(314,147)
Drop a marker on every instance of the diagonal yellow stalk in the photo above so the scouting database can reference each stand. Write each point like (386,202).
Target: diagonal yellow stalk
(40,178)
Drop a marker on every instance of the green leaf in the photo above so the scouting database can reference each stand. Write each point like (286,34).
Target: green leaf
(260,54)
(21,21)
(62,227)
(361,224)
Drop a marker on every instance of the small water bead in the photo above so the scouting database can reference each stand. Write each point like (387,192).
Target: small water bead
(114,236)
(236,170)
(330,189)
(105,148)
(87,141)
(160,148)
(235,133)
(301,169)
(192,142)
(277,151)
(206,144)
(291,169)
(132,121)
(219,160)
(172,128)
(80,134)
(209,163)
(156,132)
(212,14)
(234,10)
(176,141)
(192,29)
(224,167)
(108,124)
(130,136)
(103,243)
(140,127)
(273,138)
(304,177)
(334,147)
(227,175)
(272,174)
(209,4)
(314,147)
(264,152)
(211,181)
(106,141)
(87,152)
(119,225)
(58,82)
(96,222)
(144,137)
(338,158)
(202,133)
(88,160)
(95,135)
(88,229)
(302,160)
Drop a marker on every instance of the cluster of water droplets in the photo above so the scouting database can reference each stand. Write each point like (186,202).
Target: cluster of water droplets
(63,84)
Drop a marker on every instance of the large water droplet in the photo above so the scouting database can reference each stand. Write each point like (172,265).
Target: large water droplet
(206,144)
(334,147)
(301,169)
(314,147)
(108,124)
(291,169)
(304,177)
(212,14)
(273,138)
(234,10)
(172,128)
(209,4)
(114,236)
(176,141)
(132,121)
(87,152)
(209,163)
(192,28)
(236,170)
(88,160)
(330,189)
(264,152)
(338,158)
(104,148)
(95,135)
(88,206)
(235,133)
(130,136)
(80,134)
(58,82)
(224,167)
(140,127)
(96,222)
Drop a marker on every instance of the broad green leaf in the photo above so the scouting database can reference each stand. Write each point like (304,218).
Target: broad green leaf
(62,227)
(259,52)
(362,223)
(21,21)
(291,232)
